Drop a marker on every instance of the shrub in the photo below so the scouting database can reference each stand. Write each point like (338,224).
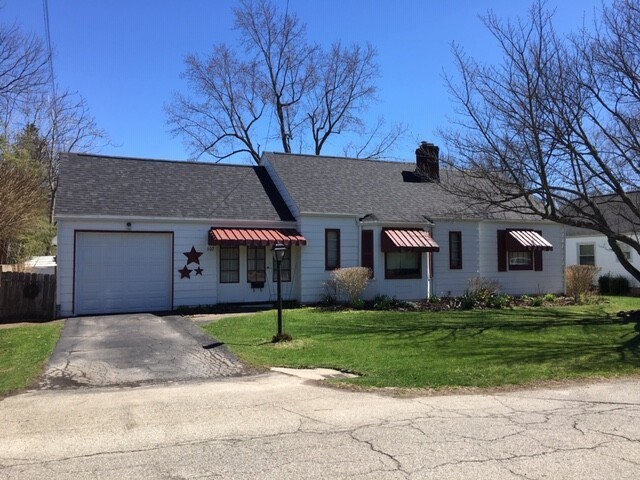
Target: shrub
(467,300)
(604,284)
(619,285)
(384,302)
(549,298)
(352,281)
(499,301)
(483,289)
(537,301)
(580,280)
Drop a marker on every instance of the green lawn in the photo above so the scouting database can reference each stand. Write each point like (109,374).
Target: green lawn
(480,348)
(23,352)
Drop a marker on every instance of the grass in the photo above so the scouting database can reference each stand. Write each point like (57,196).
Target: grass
(23,352)
(481,348)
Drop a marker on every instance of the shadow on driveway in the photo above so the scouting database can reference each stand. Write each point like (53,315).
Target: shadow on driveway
(136,349)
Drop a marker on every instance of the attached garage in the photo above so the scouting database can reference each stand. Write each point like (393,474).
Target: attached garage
(118,272)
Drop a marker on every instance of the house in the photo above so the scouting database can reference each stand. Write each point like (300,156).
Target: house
(589,247)
(367,212)
(138,235)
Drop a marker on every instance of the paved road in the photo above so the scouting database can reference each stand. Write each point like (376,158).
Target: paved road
(275,426)
(136,349)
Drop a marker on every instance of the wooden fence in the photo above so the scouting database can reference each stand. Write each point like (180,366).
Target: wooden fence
(27,296)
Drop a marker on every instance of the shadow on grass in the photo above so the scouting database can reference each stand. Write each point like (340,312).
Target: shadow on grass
(562,342)
(477,324)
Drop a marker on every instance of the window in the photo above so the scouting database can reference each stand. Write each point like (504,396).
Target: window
(520,260)
(626,251)
(366,254)
(455,250)
(512,255)
(256,271)
(587,254)
(403,264)
(285,267)
(331,249)
(229,264)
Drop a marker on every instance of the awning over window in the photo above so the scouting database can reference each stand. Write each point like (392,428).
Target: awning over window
(255,236)
(394,240)
(526,239)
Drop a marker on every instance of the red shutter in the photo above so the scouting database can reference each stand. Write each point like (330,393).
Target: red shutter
(366,255)
(537,257)
(502,251)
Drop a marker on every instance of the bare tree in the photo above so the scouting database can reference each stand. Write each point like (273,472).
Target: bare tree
(64,124)
(345,85)
(276,76)
(22,63)
(221,121)
(22,70)
(552,131)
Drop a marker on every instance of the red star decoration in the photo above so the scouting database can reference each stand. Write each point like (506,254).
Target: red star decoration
(192,256)
(185,272)
(199,271)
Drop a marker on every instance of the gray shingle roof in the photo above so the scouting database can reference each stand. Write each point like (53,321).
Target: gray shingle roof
(616,213)
(100,185)
(378,188)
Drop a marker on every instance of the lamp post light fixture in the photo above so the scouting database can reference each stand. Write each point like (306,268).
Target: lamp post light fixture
(278,254)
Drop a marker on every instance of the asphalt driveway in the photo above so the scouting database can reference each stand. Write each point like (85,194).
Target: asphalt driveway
(136,349)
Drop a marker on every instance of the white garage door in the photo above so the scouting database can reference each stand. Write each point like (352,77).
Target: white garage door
(123,272)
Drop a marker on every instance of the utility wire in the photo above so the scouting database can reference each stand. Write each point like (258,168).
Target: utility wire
(47,30)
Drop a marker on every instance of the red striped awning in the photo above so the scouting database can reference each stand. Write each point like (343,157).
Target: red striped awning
(255,236)
(393,240)
(527,239)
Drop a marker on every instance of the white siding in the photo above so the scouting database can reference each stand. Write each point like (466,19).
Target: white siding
(549,280)
(605,259)
(198,289)
(242,292)
(448,282)
(313,273)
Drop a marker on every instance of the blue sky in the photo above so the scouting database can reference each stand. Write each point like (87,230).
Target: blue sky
(125,57)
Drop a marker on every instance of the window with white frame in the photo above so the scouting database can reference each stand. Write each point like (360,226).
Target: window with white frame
(586,254)
(626,251)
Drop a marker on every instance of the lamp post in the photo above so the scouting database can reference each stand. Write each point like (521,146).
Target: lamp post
(278,254)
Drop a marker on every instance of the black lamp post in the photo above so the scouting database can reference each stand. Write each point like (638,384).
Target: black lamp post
(278,254)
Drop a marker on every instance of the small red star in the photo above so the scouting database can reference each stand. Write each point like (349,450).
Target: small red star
(199,271)
(193,256)
(185,272)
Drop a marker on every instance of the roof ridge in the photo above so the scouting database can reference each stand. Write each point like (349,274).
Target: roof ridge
(334,157)
(159,160)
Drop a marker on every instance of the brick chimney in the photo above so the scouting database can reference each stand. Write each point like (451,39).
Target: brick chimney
(427,162)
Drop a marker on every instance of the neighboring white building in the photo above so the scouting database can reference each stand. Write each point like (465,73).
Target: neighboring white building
(148,235)
(584,247)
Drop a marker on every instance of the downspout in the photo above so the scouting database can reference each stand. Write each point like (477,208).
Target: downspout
(431,268)
(431,280)
(358,240)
